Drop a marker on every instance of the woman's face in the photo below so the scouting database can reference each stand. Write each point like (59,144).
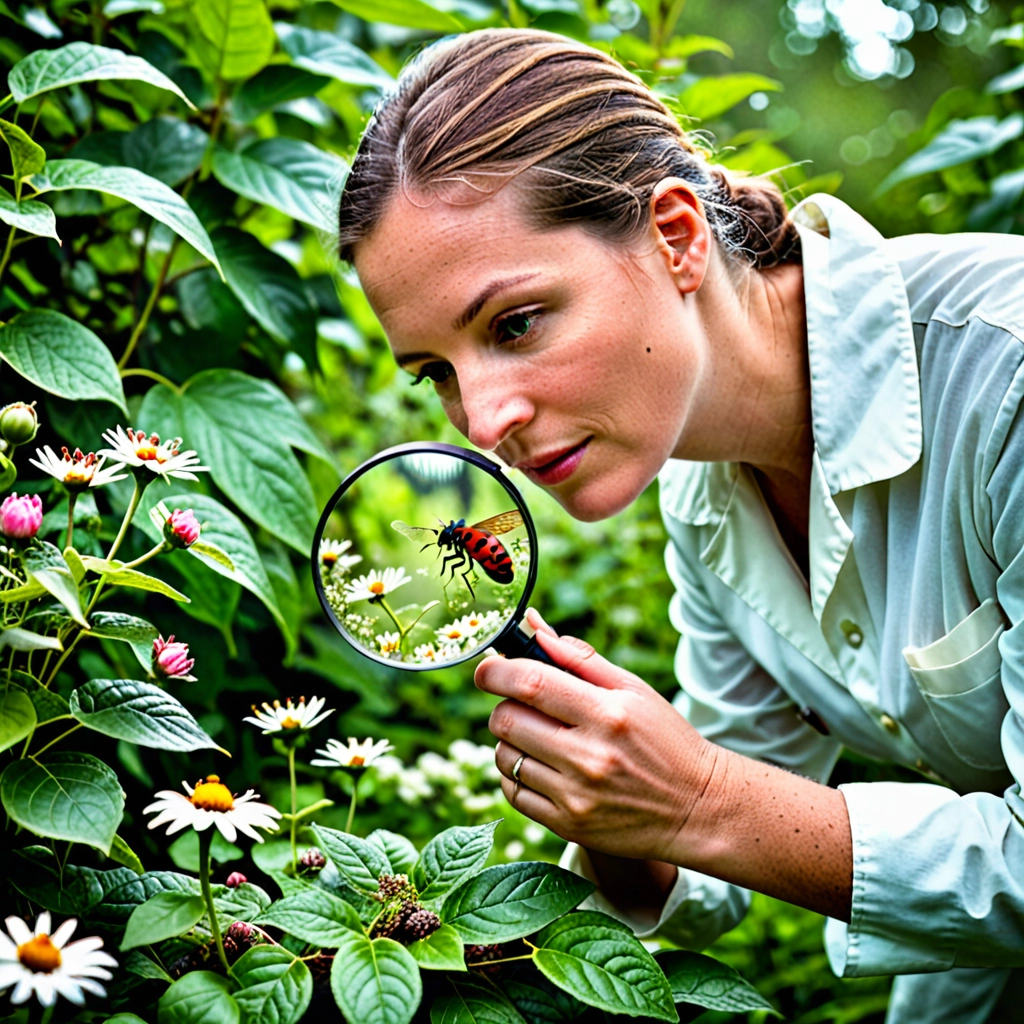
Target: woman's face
(570,358)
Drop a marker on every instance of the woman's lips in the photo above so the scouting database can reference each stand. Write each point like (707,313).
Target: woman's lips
(559,468)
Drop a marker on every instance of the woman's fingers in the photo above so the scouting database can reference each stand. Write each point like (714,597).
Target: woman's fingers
(542,686)
(581,660)
(529,802)
(537,623)
(531,732)
(533,772)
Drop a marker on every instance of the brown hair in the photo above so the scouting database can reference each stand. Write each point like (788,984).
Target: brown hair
(472,112)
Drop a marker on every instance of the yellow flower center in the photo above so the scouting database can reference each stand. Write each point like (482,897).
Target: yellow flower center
(474,623)
(290,723)
(376,587)
(329,557)
(453,634)
(212,795)
(39,954)
(357,762)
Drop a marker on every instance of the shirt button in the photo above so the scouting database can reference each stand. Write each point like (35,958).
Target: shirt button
(852,632)
(890,724)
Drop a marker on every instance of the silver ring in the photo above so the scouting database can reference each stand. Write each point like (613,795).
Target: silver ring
(517,766)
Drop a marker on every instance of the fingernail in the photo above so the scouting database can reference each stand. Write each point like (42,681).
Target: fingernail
(537,620)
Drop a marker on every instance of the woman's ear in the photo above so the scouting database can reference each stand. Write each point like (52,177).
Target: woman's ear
(681,232)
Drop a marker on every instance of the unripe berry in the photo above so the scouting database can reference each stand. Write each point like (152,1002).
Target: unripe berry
(18,422)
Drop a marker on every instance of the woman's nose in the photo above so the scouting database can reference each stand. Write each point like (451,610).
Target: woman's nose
(493,410)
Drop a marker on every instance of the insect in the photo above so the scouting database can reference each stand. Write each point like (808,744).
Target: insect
(477,543)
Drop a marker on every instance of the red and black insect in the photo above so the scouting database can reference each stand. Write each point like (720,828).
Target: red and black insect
(477,543)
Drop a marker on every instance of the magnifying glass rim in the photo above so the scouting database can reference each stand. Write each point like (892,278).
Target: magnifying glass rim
(414,448)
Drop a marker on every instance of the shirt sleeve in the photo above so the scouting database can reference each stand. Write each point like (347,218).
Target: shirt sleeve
(731,700)
(938,877)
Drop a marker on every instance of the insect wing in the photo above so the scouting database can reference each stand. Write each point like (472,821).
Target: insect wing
(412,532)
(502,523)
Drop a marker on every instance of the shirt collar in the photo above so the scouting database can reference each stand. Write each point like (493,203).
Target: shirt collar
(865,388)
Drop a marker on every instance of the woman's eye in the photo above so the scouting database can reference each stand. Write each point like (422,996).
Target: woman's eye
(437,372)
(514,326)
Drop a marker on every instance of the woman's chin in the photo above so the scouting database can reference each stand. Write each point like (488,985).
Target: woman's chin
(597,499)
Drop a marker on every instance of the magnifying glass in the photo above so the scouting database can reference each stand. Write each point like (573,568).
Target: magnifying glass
(426,556)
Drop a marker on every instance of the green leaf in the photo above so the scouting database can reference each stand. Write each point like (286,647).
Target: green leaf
(269,288)
(244,902)
(25,640)
(200,997)
(441,950)
(598,960)
(324,53)
(711,96)
(26,592)
(294,177)
(687,46)
(212,553)
(315,916)
(17,717)
(359,862)
(137,633)
(468,1001)
(699,979)
(118,901)
(61,356)
(48,705)
(245,429)
(401,854)
(1011,81)
(142,967)
(28,215)
(407,13)
(150,195)
(124,854)
(139,712)
(115,573)
(82,62)
(508,901)
(67,889)
(274,85)
(451,857)
(165,148)
(375,981)
(540,1002)
(276,986)
(240,33)
(957,143)
(65,796)
(165,916)
(27,156)
(45,564)
(125,1018)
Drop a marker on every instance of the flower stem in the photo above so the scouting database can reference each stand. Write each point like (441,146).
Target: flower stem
(153,375)
(132,506)
(72,498)
(148,308)
(42,750)
(152,553)
(295,807)
(7,251)
(401,629)
(352,804)
(205,839)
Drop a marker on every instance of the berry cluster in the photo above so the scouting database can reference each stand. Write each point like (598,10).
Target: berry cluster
(402,918)
(240,937)
(395,887)
(479,956)
(312,861)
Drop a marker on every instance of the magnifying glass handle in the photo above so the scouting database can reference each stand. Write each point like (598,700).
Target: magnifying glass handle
(516,644)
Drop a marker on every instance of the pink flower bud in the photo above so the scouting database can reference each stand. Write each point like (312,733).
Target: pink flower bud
(182,528)
(235,879)
(171,659)
(21,517)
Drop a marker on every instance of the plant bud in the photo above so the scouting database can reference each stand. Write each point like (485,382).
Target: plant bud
(20,518)
(312,860)
(235,879)
(171,660)
(182,528)
(18,422)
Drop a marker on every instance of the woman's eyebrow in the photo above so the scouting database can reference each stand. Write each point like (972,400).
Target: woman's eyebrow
(487,293)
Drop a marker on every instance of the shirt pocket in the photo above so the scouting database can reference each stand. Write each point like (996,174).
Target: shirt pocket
(959,677)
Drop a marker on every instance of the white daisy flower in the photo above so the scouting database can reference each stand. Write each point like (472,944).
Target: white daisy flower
(44,964)
(138,450)
(389,643)
(425,652)
(375,585)
(355,755)
(76,471)
(212,803)
(332,555)
(452,635)
(298,717)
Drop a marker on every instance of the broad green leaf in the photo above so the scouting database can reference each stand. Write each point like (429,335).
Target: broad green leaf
(276,986)
(61,356)
(214,598)
(25,640)
(315,916)
(324,53)
(17,717)
(274,85)
(451,857)
(150,195)
(1011,81)
(401,854)
(709,97)
(357,860)
(74,563)
(244,902)
(245,429)
(165,148)
(599,961)
(141,966)
(212,553)
(540,1002)
(82,62)
(200,997)
(292,176)
(124,854)
(125,1018)
(687,46)
(375,981)
(700,979)
(115,573)
(64,796)
(139,712)
(67,889)
(137,633)
(441,950)
(508,901)
(164,916)
(26,592)
(240,33)
(469,1001)
(270,290)
(407,13)
(118,901)
(30,216)
(48,704)
(27,156)
(957,143)
(45,564)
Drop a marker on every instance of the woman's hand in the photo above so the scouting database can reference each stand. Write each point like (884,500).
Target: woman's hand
(610,764)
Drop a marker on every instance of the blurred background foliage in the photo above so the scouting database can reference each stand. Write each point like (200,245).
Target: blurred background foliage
(908,110)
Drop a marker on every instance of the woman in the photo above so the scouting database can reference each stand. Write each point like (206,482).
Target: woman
(834,420)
